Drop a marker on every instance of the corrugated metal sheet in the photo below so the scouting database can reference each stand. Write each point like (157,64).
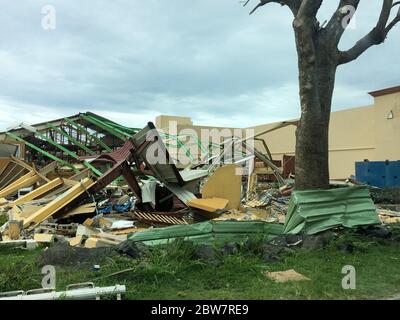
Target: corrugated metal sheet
(210,232)
(314,211)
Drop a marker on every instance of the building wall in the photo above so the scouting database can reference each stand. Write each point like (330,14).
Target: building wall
(355,135)
(387,130)
(163,121)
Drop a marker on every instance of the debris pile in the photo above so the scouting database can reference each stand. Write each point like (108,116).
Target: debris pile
(93,183)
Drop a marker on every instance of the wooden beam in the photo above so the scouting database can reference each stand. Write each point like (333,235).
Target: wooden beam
(58,203)
(39,191)
(26,181)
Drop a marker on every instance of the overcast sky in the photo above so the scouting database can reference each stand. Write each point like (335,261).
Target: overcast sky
(132,60)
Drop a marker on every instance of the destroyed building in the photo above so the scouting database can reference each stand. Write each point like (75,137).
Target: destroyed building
(93,182)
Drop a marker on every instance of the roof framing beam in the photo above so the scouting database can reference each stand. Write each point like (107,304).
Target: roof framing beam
(81,128)
(45,153)
(113,131)
(69,152)
(72,139)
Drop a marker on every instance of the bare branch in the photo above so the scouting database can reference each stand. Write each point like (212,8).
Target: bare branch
(262,3)
(337,24)
(376,36)
(292,4)
(245,4)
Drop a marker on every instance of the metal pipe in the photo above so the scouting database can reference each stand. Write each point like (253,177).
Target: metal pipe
(76,294)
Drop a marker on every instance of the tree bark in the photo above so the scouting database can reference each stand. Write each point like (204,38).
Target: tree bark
(317,67)
(318,58)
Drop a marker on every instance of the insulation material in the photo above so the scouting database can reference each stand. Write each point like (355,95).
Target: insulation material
(122,224)
(314,211)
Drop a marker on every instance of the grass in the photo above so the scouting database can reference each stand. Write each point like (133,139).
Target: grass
(3,218)
(171,272)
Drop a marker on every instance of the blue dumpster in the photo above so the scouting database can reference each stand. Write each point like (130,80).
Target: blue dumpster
(382,174)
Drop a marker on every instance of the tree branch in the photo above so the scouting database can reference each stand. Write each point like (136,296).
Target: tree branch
(336,25)
(376,36)
(292,4)
(309,8)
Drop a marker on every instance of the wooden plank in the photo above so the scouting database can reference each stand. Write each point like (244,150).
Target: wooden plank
(39,191)
(209,205)
(58,203)
(83,209)
(28,181)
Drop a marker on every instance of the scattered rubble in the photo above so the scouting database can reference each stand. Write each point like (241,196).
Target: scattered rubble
(87,184)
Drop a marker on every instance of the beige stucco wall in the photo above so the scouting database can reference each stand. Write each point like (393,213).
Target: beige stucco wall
(355,134)
(387,130)
(163,121)
(351,138)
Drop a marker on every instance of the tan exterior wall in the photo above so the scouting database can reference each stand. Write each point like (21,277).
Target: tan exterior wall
(163,121)
(387,130)
(355,134)
(351,138)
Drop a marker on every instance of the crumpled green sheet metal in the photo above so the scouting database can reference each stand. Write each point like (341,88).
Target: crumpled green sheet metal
(209,232)
(314,211)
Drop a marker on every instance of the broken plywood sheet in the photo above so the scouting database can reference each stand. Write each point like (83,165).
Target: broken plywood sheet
(83,209)
(58,203)
(288,275)
(225,183)
(209,205)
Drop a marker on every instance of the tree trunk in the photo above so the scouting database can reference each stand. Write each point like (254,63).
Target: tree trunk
(317,68)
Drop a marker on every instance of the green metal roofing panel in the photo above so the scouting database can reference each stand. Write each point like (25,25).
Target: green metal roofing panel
(314,211)
(209,232)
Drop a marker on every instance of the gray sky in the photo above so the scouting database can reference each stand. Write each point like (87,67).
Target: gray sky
(132,60)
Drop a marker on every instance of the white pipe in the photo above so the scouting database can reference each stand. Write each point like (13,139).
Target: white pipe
(76,294)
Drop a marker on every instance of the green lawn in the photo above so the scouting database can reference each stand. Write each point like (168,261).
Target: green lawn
(170,272)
